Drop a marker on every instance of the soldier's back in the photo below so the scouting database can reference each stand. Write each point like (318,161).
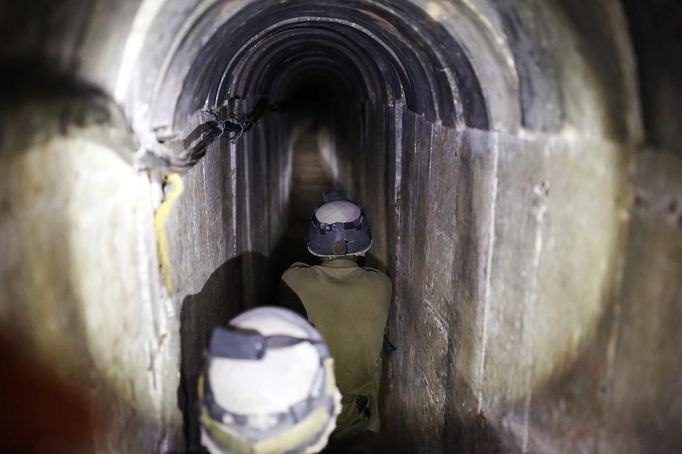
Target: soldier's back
(348,304)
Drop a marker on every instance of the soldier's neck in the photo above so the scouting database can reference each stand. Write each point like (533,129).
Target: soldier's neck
(331,259)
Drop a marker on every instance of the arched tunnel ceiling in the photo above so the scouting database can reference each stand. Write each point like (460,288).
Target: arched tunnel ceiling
(540,188)
(392,58)
(464,65)
(386,52)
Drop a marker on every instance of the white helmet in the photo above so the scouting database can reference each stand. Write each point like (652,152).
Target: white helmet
(338,228)
(268,386)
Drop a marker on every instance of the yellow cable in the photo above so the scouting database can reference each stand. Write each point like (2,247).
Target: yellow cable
(160,218)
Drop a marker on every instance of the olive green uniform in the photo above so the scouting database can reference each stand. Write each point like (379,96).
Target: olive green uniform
(348,304)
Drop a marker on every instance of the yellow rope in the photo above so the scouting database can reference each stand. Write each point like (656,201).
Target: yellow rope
(160,218)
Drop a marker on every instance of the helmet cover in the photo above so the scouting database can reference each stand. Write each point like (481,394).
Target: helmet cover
(338,228)
(251,397)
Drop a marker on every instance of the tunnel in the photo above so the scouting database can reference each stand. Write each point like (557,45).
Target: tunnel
(519,163)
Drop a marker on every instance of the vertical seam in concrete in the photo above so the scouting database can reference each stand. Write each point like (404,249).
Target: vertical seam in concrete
(233,189)
(397,200)
(611,351)
(526,417)
(612,344)
(152,286)
(488,269)
(428,175)
(540,213)
(397,180)
(206,198)
(247,193)
(394,313)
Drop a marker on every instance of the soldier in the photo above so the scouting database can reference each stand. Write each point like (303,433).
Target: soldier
(348,304)
(268,386)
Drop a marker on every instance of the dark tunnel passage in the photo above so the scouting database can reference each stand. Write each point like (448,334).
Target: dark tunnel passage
(316,69)
(434,128)
(517,162)
(310,178)
(309,101)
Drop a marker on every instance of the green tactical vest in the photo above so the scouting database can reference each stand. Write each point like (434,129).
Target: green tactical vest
(349,305)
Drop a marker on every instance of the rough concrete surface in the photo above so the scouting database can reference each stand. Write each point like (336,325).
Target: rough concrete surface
(80,290)
(498,150)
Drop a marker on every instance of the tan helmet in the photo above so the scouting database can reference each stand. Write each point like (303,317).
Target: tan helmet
(338,228)
(268,386)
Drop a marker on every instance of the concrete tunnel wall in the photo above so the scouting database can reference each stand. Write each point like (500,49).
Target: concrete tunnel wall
(492,146)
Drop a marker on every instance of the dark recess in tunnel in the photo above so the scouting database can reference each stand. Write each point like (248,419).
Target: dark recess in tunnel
(655,30)
(310,106)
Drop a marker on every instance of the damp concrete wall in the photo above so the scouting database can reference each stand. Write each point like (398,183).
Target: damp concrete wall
(80,295)
(642,396)
(528,217)
(505,248)
(222,233)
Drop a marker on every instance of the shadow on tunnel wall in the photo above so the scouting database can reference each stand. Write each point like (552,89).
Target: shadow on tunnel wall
(224,295)
(218,301)
(227,292)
